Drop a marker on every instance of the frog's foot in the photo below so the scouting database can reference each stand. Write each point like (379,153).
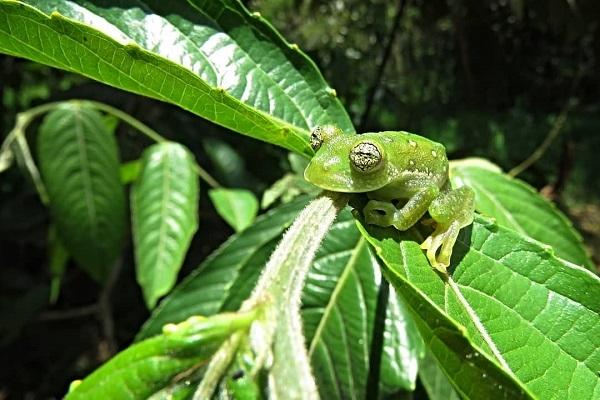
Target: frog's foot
(380,213)
(442,239)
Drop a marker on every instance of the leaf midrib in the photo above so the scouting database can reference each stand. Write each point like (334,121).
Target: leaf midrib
(166,185)
(516,272)
(533,326)
(474,317)
(348,269)
(85,172)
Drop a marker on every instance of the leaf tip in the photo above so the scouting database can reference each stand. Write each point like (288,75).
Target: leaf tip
(73,385)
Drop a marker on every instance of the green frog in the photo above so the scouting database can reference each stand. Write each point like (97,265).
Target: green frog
(404,176)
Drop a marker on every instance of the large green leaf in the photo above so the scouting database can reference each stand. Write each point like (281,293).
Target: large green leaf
(339,307)
(210,57)
(164,210)
(339,303)
(510,318)
(518,206)
(157,363)
(79,163)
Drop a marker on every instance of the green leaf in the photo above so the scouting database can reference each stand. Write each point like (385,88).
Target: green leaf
(516,205)
(510,319)
(343,278)
(210,57)
(402,347)
(164,211)
(152,365)
(79,163)
(282,186)
(338,309)
(237,206)
(130,171)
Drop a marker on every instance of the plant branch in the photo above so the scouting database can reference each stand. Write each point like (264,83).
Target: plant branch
(128,119)
(277,334)
(555,130)
(151,134)
(61,315)
(364,119)
(105,309)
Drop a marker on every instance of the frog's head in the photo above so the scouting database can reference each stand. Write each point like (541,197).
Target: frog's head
(347,162)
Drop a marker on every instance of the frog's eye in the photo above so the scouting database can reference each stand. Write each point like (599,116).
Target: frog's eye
(321,134)
(365,157)
(316,138)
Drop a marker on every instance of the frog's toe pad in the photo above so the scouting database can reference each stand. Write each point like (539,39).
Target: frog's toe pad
(432,245)
(439,246)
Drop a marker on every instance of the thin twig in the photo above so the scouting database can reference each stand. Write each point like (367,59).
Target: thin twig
(202,173)
(559,122)
(105,309)
(128,119)
(150,133)
(61,315)
(556,129)
(364,119)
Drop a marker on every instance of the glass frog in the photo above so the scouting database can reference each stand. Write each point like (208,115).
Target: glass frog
(404,176)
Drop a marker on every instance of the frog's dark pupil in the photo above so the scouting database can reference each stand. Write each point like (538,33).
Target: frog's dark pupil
(316,139)
(365,156)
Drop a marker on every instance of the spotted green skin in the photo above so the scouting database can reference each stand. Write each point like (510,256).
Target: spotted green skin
(412,172)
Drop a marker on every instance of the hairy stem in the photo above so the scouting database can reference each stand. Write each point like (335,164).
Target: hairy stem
(277,335)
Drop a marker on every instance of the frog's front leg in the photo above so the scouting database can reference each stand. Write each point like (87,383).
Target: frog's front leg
(383,213)
(451,210)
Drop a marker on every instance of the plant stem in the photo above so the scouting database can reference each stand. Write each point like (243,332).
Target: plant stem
(201,172)
(150,133)
(278,334)
(128,119)
(556,129)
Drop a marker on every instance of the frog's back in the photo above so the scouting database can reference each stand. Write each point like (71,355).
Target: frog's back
(412,152)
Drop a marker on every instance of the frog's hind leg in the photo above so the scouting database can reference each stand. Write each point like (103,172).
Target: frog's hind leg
(451,210)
